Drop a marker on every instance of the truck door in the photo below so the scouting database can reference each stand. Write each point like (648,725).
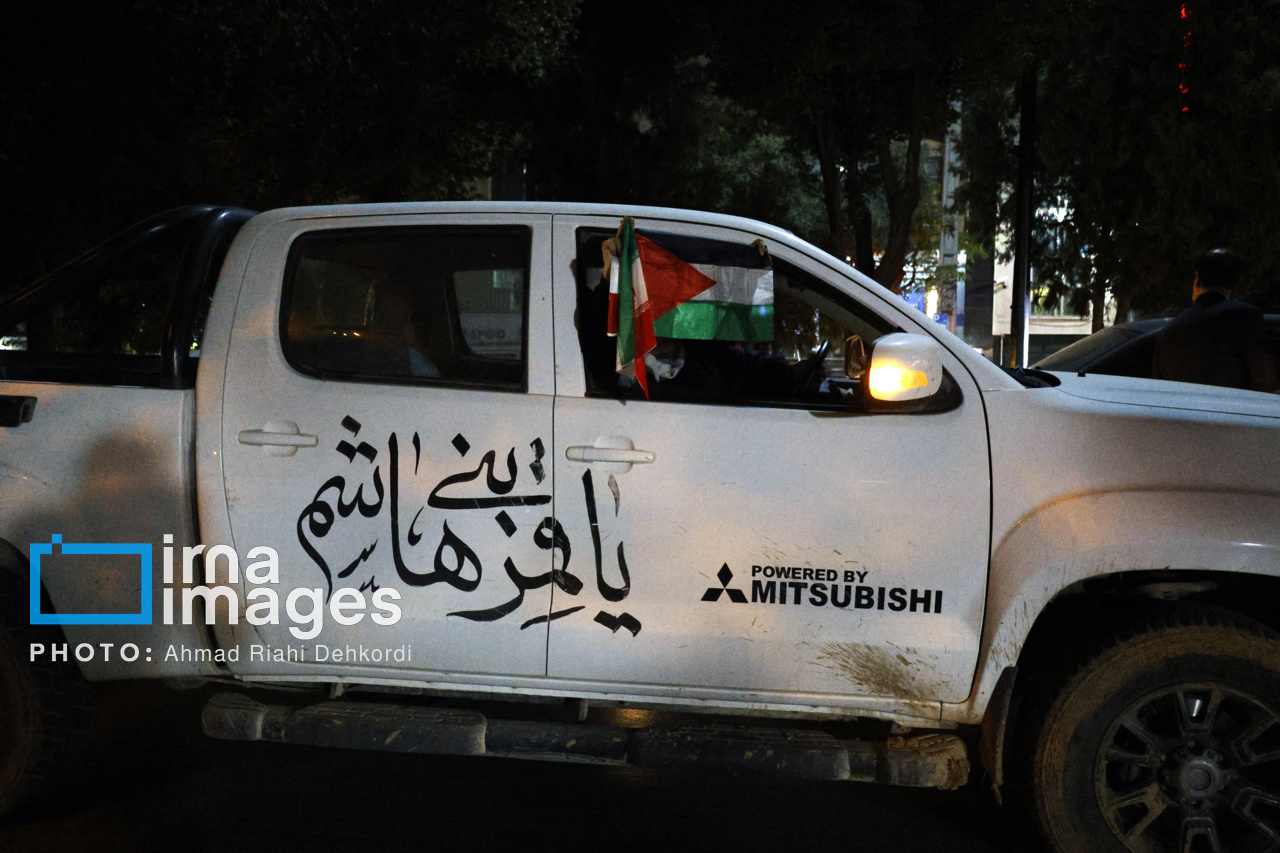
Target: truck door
(97,366)
(387,430)
(752,533)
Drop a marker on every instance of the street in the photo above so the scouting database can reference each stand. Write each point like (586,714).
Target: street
(150,781)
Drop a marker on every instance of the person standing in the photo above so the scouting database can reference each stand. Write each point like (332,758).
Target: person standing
(1217,340)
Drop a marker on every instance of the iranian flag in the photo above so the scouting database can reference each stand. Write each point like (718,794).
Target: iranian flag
(685,287)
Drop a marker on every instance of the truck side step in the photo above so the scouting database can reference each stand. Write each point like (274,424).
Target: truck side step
(932,760)
(351,725)
(576,742)
(775,752)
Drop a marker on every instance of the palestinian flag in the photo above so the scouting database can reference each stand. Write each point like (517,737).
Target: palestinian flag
(686,287)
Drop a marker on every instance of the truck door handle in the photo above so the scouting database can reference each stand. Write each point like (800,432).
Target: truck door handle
(612,454)
(280,438)
(262,438)
(16,411)
(588,453)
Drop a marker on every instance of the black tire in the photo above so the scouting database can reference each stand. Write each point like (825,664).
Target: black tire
(1167,739)
(42,708)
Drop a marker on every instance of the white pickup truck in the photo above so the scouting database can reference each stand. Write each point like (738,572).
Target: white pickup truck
(375,470)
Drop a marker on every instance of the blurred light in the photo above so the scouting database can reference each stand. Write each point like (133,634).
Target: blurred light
(886,379)
(1185,13)
(631,718)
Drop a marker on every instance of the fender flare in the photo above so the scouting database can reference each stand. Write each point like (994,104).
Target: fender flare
(1104,533)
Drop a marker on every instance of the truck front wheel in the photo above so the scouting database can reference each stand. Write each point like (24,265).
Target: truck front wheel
(1169,739)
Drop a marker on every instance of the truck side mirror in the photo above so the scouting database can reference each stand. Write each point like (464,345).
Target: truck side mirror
(903,367)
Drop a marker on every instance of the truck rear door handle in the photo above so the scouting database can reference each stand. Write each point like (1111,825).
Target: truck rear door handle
(15,410)
(280,438)
(262,438)
(588,453)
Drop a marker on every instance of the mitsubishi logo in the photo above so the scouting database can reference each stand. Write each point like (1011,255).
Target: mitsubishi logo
(737,596)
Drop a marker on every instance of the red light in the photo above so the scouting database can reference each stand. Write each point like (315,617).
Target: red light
(1185,13)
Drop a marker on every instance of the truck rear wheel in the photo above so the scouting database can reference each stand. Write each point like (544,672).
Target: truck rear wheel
(1169,739)
(42,706)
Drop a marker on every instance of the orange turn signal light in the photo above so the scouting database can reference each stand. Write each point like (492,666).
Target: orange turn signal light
(887,379)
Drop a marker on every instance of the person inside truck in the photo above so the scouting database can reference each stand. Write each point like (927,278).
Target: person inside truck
(398,322)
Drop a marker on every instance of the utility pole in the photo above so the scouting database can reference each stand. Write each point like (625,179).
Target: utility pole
(1016,355)
(949,246)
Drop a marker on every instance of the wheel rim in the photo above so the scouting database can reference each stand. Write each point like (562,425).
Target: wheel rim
(1192,768)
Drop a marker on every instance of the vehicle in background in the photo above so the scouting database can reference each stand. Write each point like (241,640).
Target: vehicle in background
(1125,349)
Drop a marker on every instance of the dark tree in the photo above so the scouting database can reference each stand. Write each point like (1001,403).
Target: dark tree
(1159,139)
(114,110)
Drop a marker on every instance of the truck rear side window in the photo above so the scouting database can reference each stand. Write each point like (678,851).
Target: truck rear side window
(106,331)
(431,304)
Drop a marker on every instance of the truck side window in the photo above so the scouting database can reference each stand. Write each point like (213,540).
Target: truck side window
(795,357)
(413,304)
(106,331)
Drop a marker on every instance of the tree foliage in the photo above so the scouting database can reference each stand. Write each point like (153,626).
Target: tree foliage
(815,117)
(861,85)
(1158,139)
(639,116)
(114,110)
